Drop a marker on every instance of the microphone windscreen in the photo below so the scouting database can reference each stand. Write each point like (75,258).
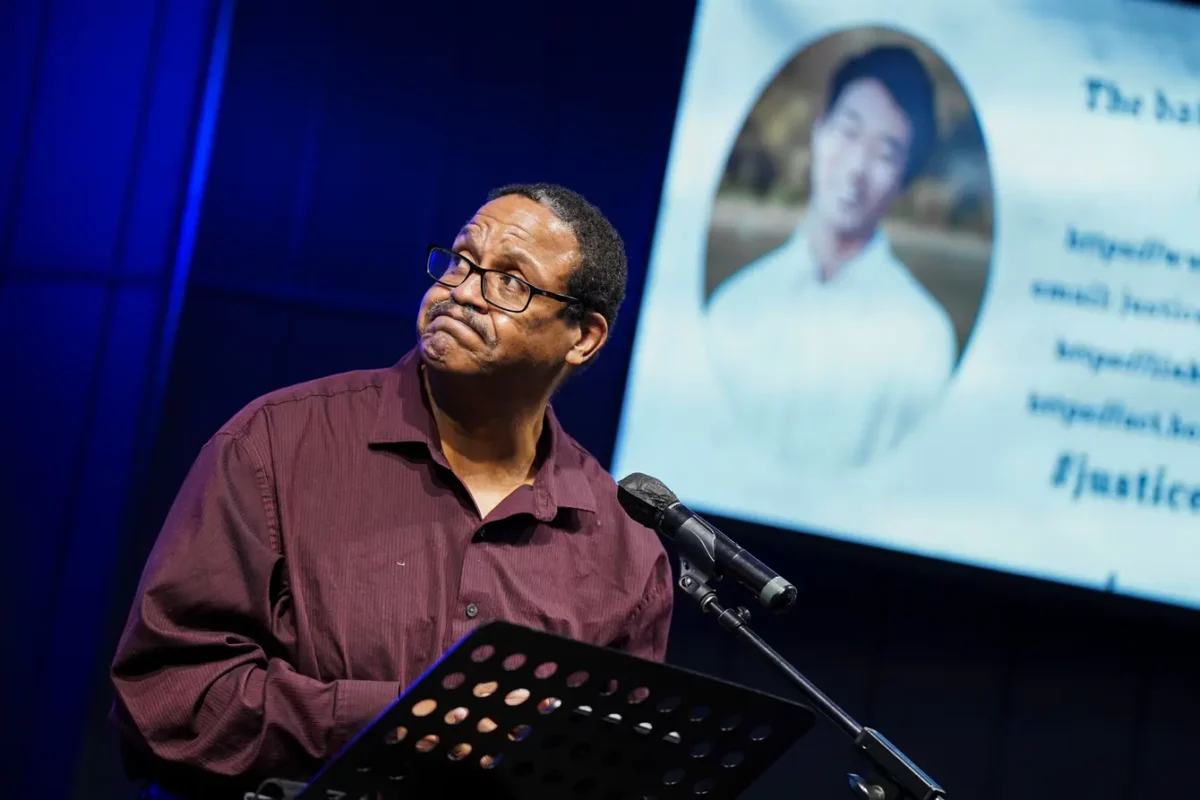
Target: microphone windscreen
(644,498)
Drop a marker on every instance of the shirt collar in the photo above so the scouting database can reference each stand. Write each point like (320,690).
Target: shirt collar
(874,256)
(561,477)
(405,417)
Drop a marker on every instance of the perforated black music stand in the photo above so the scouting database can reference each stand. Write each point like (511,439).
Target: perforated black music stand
(511,712)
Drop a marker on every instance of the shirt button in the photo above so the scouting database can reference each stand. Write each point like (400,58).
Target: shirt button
(472,610)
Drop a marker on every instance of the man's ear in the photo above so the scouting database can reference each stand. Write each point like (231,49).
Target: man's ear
(591,335)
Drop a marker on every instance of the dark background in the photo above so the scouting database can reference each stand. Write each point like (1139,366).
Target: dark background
(201,202)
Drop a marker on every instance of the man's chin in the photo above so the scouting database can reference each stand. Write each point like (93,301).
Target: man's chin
(847,223)
(444,351)
(842,221)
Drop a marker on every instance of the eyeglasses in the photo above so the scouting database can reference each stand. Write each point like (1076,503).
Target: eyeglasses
(503,290)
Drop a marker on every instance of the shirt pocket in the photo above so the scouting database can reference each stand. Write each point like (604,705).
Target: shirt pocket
(373,606)
(555,586)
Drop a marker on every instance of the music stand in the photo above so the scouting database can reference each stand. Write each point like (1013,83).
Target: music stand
(510,713)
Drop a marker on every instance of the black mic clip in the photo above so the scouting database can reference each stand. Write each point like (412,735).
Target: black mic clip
(698,571)
(697,582)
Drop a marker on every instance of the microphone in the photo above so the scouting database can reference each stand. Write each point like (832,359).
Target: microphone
(648,501)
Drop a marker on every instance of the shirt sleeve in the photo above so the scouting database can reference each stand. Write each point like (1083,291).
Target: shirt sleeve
(646,636)
(201,674)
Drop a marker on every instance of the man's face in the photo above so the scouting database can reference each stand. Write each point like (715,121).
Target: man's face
(859,151)
(461,333)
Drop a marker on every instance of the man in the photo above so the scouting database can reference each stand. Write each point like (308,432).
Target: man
(333,539)
(828,347)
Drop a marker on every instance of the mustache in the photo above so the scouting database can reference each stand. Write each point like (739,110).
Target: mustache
(464,314)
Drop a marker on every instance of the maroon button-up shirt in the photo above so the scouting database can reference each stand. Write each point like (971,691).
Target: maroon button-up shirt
(321,554)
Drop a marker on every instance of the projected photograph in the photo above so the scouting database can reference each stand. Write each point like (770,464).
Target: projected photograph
(912,291)
(848,248)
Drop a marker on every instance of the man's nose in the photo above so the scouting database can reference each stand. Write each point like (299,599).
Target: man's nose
(856,160)
(470,292)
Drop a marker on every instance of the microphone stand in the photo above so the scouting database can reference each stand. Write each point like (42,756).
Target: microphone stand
(892,775)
